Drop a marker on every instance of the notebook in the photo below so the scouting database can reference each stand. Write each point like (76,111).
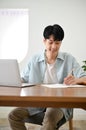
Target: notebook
(10,74)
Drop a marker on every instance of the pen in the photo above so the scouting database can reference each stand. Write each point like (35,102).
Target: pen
(67,78)
(71,72)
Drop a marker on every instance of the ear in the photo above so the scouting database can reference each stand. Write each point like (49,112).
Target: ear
(44,40)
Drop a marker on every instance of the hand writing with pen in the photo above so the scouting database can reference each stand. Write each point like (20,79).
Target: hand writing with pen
(71,79)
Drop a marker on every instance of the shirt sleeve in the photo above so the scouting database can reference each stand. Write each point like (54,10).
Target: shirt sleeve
(78,70)
(25,73)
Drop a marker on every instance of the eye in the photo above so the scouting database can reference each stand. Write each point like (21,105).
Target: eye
(58,42)
(50,42)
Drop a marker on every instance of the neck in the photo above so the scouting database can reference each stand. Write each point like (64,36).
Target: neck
(50,58)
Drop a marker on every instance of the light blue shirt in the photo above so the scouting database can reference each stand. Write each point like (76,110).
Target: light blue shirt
(35,70)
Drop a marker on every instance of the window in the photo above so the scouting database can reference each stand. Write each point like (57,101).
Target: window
(14,26)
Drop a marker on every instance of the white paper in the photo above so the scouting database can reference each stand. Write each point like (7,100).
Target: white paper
(61,85)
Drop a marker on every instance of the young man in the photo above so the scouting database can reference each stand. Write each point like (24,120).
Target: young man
(51,66)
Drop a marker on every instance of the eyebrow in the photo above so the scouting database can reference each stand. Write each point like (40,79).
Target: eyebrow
(51,40)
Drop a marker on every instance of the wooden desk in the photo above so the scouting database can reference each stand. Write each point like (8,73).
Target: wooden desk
(39,96)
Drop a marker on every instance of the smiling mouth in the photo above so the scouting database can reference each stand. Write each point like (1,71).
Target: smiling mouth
(53,50)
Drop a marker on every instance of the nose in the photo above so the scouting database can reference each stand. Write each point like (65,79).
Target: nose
(54,45)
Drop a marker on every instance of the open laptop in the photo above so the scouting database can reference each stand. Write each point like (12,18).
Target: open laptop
(10,74)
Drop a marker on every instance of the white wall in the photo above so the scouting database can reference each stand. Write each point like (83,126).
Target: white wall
(70,14)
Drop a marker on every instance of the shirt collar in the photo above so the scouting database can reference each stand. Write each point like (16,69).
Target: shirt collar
(60,56)
(42,56)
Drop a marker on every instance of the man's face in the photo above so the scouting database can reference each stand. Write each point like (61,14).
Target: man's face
(51,45)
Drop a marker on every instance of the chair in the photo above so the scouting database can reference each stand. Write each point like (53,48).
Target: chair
(70,124)
(34,127)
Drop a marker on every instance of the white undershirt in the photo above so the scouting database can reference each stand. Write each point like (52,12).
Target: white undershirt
(50,74)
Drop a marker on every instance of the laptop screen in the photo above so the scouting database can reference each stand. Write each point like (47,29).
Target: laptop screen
(9,73)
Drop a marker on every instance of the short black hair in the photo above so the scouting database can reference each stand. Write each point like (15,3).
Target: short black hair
(55,30)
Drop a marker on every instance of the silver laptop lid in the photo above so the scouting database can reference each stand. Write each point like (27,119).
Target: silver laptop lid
(9,73)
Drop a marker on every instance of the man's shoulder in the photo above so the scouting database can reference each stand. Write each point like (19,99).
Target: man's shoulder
(37,57)
(64,55)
